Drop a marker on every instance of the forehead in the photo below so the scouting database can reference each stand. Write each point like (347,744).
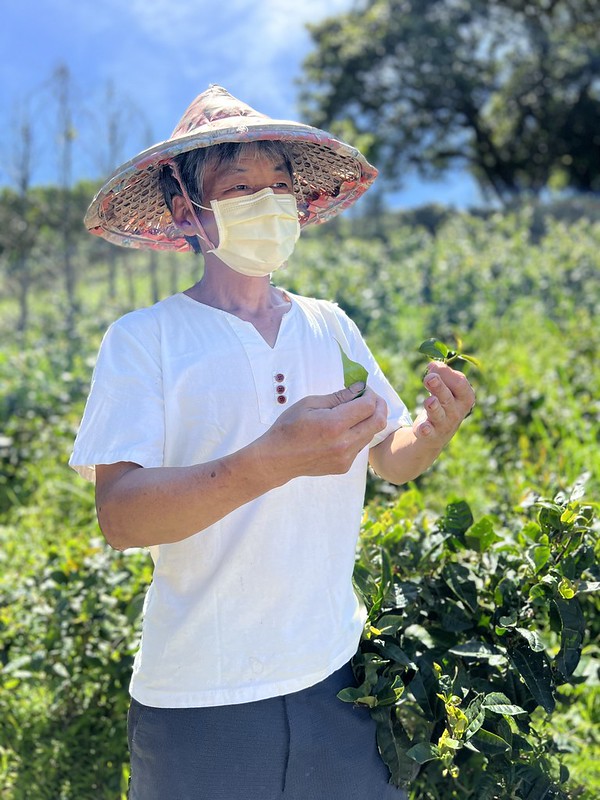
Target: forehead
(246,162)
(250,163)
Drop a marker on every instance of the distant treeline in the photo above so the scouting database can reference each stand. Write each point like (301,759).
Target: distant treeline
(44,244)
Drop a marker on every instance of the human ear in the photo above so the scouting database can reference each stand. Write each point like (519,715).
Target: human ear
(181,214)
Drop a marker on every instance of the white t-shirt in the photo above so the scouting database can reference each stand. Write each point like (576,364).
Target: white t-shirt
(261,603)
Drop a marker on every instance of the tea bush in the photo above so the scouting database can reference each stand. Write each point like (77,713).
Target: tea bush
(468,581)
(473,630)
(68,633)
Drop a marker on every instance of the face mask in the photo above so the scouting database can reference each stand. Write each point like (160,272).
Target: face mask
(257,233)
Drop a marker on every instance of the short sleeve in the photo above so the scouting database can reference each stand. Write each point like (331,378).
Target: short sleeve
(358,350)
(123,418)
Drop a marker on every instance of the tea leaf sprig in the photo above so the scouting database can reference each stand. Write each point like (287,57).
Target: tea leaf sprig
(436,350)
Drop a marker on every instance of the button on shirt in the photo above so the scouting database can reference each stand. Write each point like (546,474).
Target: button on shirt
(260,603)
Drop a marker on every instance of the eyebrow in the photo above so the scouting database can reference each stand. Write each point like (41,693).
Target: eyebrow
(277,167)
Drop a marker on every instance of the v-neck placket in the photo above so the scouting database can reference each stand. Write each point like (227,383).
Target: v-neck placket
(271,367)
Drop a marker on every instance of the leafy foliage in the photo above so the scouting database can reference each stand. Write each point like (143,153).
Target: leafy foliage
(67,639)
(507,88)
(473,628)
(518,290)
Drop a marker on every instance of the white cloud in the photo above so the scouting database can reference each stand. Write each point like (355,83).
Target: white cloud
(158,54)
(254,49)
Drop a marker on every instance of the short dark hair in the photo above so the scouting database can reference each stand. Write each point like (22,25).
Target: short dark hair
(192,167)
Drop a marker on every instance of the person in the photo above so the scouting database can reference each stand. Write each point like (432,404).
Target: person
(220,436)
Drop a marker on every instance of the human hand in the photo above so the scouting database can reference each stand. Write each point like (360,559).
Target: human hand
(322,434)
(451,400)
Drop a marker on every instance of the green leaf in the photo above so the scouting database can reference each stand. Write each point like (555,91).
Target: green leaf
(393,742)
(60,670)
(424,687)
(535,670)
(357,695)
(457,519)
(423,752)
(475,649)
(539,554)
(532,638)
(481,535)
(434,348)
(521,744)
(134,607)
(541,789)
(353,371)
(489,743)
(389,649)
(572,633)
(498,703)
(350,695)
(453,744)
(390,623)
(459,580)
(389,692)
(454,618)
(471,359)
(565,589)
(583,587)
(475,714)
(17,664)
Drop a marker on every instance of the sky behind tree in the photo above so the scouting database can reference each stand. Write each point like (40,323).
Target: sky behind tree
(157,55)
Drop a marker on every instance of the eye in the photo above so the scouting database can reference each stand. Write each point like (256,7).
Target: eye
(281,185)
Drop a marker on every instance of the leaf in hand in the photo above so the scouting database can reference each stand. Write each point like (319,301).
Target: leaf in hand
(353,371)
(438,351)
(433,348)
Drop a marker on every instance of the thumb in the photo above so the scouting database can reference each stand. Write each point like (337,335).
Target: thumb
(344,395)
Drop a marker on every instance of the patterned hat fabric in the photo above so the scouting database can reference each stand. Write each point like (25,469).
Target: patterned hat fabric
(130,210)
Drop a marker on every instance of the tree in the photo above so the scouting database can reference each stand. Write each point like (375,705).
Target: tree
(66,137)
(509,89)
(117,120)
(17,234)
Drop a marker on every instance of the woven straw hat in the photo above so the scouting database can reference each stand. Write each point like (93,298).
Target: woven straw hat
(130,210)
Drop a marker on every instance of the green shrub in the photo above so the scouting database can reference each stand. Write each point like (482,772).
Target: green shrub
(521,295)
(67,638)
(474,628)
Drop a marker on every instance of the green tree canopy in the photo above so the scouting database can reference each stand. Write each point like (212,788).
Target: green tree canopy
(508,88)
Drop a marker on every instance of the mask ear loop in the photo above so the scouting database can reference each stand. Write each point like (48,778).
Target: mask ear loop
(190,203)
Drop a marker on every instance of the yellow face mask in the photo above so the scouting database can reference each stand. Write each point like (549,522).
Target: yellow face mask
(257,232)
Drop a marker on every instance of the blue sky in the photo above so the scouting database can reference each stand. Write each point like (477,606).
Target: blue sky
(157,55)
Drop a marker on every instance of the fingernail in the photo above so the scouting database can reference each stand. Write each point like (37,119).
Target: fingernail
(358,387)
(432,380)
(426,429)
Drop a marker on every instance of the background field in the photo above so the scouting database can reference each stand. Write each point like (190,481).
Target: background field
(519,288)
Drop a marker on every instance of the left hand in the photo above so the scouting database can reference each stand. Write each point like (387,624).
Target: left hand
(452,398)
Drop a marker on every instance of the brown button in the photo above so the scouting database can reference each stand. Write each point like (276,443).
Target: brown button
(280,389)
(279,377)
(282,399)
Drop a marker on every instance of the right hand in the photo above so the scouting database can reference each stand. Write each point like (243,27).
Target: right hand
(322,434)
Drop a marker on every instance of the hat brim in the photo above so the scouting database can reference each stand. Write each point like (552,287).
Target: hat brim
(129,209)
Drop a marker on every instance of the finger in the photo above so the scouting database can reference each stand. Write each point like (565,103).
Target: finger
(436,412)
(376,422)
(422,427)
(338,398)
(439,390)
(454,380)
(362,408)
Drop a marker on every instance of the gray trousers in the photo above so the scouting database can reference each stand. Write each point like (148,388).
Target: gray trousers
(302,746)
